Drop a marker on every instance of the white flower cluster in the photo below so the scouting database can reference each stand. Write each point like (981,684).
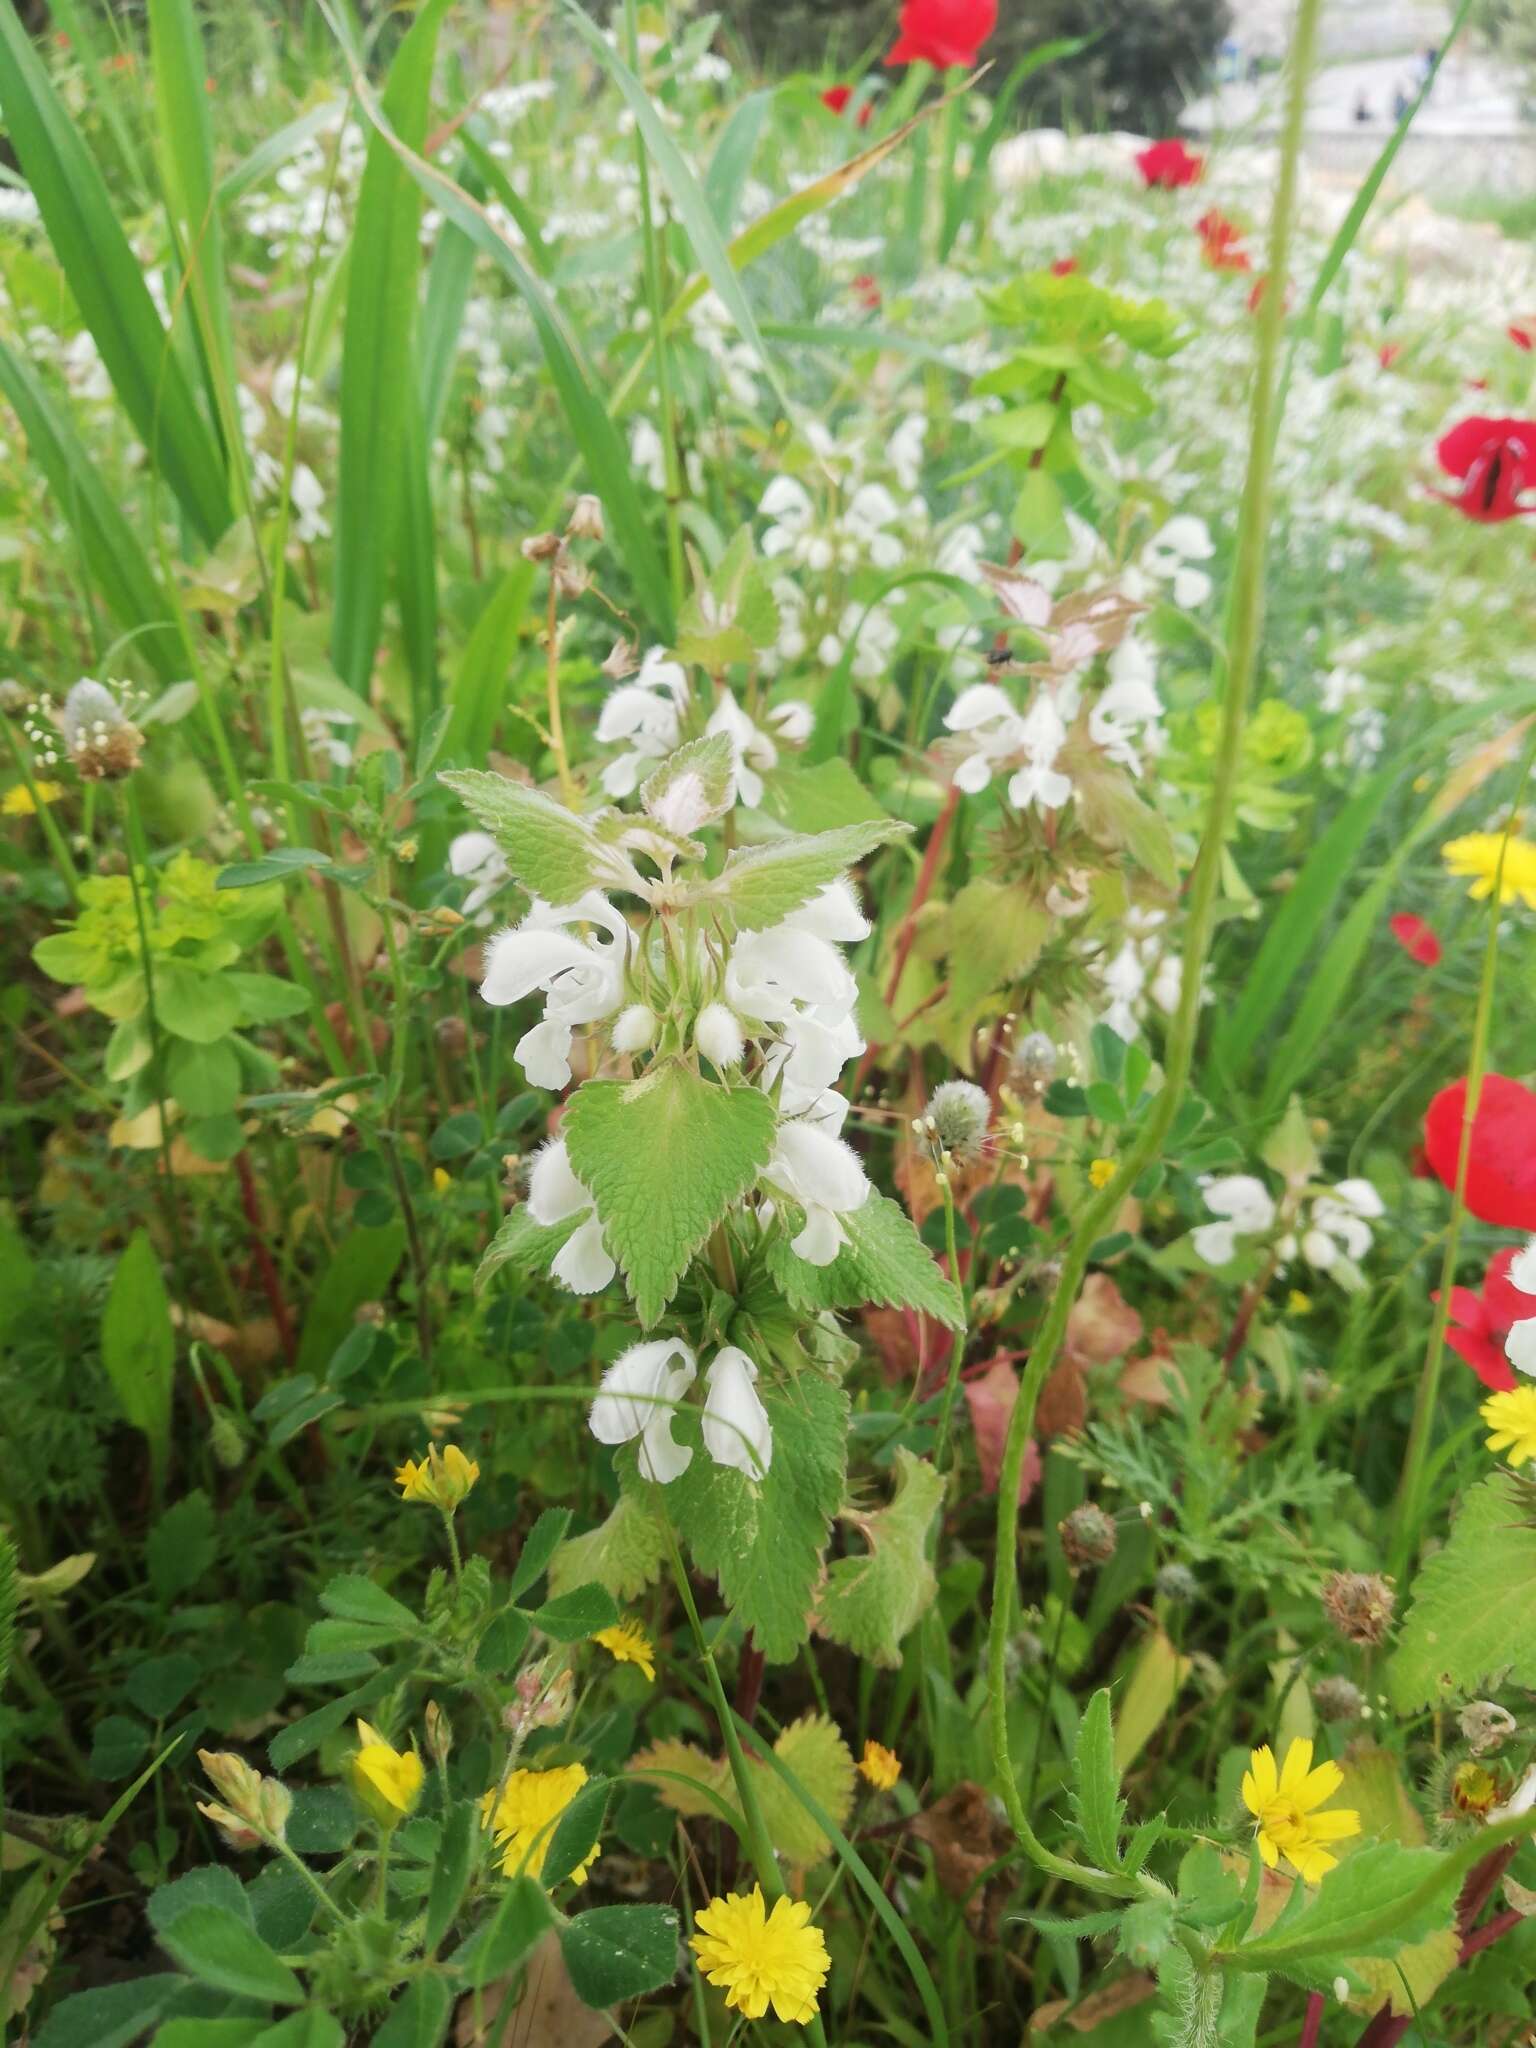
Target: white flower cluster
(1333,1234)
(639,1396)
(645,717)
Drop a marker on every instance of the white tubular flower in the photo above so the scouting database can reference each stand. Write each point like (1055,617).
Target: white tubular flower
(634,1029)
(824,1176)
(793,721)
(476,858)
(1170,551)
(1124,718)
(636,1399)
(1124,979)
(584,1262)
(737,1431)
(1340,1224)
(792,977)
(718,1035)
(582,979)
(870,512)
(647,714)
(833,913)
(1520,1344)
(788,504)
(987,721)
(1042,735)
(753,751)
(1246,1208)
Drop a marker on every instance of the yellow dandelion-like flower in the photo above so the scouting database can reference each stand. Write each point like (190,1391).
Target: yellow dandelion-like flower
(443,1478)
(17,801)
(1101,1172)
(880,1765)
(628,1643)
(1299,1304)
(523,1818)
(1512,1418)
(758,1958)
(1478,855)
(385,1779)
(1284,1804)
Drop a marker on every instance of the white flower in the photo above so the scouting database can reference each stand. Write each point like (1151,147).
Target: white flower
(634,1029)
(1340,1224)
(582,978)
(1125,716)
(821,1173)
(476,858)
(320,733)
(1124,979)
(1246,1207)
(555,1195)
(1170,551)
(647,713)
(1042,735)
(869,512)
(737,1431)
(1520,1344)
(717,1034)
(991,727)
(904,451)
(788,504)
(793,977)
(793,720)
(753,751)
(638,1395)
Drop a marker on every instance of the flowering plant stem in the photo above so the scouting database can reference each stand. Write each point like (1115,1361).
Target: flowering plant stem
(1244,623)
(1411,1486)
(651,246)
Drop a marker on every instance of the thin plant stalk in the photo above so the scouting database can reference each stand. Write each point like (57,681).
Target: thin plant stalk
(1426,1400)
(1245,621)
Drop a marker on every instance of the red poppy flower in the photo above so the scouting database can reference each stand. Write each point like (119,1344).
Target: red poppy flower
(835,99)
(942,32)
(1415,937)
(1501,1167)
(1522,336)
(1168,165)
(1388,353)
(1481,1322)
(1222,240)
(1496,460)
(1064,266)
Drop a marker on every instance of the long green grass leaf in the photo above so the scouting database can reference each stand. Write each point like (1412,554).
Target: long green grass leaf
(376,364)
(117,564)
(108,283)
(963,202)
(481,680)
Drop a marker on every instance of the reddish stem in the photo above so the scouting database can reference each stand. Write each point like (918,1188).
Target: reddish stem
(271,1286)
(925,881)
(1312,2025)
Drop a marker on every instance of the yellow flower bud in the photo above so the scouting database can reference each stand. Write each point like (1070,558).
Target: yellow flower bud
(387,1781)
(443,1479)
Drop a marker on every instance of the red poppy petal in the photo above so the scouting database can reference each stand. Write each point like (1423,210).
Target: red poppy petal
(1415,937)
(1503,1302)
(1485,1358)
(1501,1168)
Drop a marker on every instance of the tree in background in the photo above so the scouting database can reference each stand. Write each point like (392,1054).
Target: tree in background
(1149,56)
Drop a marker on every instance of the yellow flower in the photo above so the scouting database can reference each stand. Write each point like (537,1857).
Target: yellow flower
(880,1765)
(523,1818)
(442,1479)
(17,801)
(387,1781)
(1512,1418)
(629,1644)
(1101,1172)
(1298,1303)
(442,1179)
(1284,1804)
(760,1959)
(1478,855)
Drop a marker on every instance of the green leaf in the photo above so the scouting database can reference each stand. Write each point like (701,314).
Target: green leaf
(1097,1806)
(576,1832)
(573,1617)
(523,1915)
(625,1554)
(450,1871)
(111,2017)
(1039,515)
(761,885)
(870,1603)
(764,1540)
(419,2018)
(820,798)
(16,1278)
(550,850)
(1334,1921)
(1146,1928)
(266,998)
(619,1952)
(1467,1630)
(158,1686)
(995,932)
(884,1262)
(529,1248)
(664,1158)
(118,1745)
(220,1948)
(309,2029)
(138,1345)
(354,1598)
(201,2033)
(544,1539)
(204,1079)
(693,787)
(506,1636)
(107,280)
(300,1737)
(182,1545)
(361,1270)
(276,866)
(378,347)
(193,1005)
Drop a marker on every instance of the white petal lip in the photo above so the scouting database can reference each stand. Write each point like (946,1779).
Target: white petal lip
(737,1431)
(517,962)
(817,1169)
(833,914)
(822,1238)
(1216,1243)
(632,1388)
(584,1262)
(1520,1346)
(544,1054)
(554,1192)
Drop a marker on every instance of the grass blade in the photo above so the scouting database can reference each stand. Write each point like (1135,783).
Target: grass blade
(962,201)
(118,566)
(378,344)
(108,283)
(442,315)
(273,151)
(478,686)
(726,177)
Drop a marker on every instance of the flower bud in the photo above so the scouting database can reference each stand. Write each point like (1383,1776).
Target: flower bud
(541,547)
(586,520)
(238,1833)
(621,662)
(635,1029)
(1034,1063)
(1087,1537)
(386,1781)
(232,1777)
(958,1115)
(717,1035)
(1338,1699)
(439,1733)
(276,1805)
(443,1479)
(102,741)
(1176,1582)
(226,1441)
(1359,1604)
